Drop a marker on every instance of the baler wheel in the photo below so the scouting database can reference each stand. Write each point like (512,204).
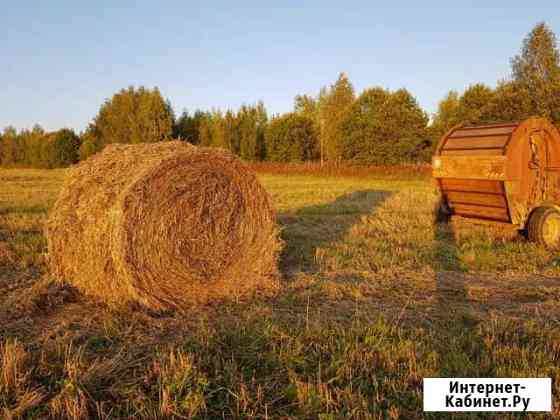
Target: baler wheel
(544,227)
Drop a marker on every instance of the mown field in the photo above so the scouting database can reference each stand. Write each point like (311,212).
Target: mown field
(375,296)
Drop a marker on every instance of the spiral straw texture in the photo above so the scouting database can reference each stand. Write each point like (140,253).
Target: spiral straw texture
(166,225)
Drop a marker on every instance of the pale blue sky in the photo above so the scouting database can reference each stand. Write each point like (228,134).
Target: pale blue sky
(61,59)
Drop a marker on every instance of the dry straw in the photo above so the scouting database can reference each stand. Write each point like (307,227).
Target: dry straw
(167,225)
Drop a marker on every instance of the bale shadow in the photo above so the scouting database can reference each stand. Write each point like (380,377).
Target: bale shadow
(20,210)
(23,235)
(309,228)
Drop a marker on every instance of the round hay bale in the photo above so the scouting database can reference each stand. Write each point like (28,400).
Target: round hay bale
(166,224)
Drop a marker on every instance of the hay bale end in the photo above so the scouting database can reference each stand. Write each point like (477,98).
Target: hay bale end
(167,225)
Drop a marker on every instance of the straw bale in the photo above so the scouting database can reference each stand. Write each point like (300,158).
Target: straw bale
(166,225)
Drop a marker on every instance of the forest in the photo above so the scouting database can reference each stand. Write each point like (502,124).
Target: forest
(334,126)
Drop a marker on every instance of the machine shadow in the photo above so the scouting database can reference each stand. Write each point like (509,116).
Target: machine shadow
(447,265)
(455,323)
(309,228)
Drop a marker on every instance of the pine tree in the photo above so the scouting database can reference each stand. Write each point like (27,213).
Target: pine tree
(262,124)
(231,131)
(205,130)
(218,130)
(247,128)
(536,72)
(187,127)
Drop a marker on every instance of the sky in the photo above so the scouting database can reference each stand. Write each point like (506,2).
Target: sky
(59,60)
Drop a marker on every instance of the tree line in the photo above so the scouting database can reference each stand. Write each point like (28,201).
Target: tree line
(336,125)
(39,149)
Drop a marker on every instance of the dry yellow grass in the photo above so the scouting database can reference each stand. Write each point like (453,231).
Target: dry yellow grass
(16,393)
(375,296)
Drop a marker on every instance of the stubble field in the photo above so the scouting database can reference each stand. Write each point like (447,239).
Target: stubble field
(375,296)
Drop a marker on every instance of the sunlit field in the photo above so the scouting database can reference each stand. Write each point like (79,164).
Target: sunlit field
(375,296)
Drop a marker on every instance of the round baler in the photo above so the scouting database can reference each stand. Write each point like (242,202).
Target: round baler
(508,172)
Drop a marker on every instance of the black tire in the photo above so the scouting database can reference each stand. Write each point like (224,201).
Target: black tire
(543,227)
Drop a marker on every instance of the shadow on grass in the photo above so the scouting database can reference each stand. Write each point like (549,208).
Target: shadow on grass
(23,210)
(19,235)
(456,325)
(309,228)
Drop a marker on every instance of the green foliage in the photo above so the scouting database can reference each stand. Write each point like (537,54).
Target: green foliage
(510,102)
(335,104)
(205,130)
(385,128)
(37,149)
(447,115)
(133,116)
(187,127)
(309,107)
(251,125)
(473,102)
(536,72)
(247,133)
(90,142)
(291,138)
(63,148)
(539,59)
(241,132)
(12,150)
(471,107)
(218,131)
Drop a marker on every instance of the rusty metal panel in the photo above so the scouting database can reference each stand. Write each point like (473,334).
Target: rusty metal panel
(471,185)
(478,142)
(473,152)
(483,199)
(473,139)
(469,167)
(482,131)
(482,212)
(533,154)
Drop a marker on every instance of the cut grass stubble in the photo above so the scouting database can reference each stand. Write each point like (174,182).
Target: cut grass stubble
(375,297)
